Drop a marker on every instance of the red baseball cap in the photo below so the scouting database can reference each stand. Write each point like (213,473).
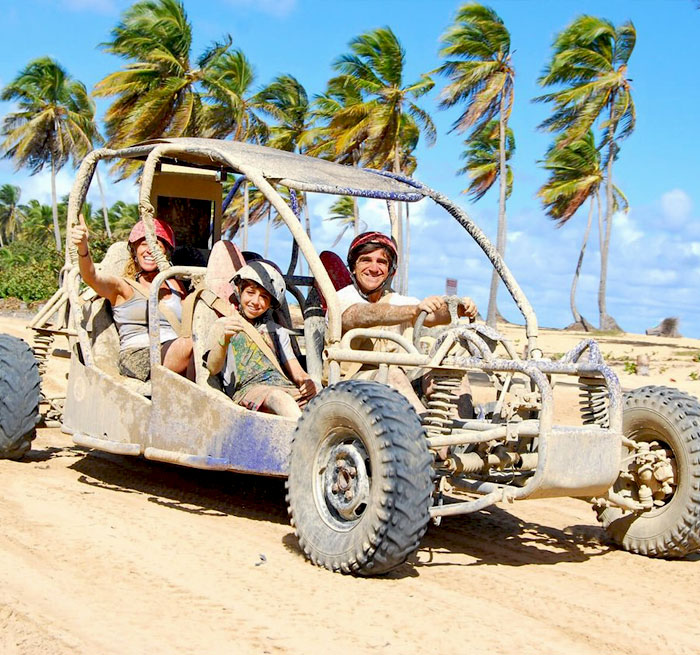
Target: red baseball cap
(163,231)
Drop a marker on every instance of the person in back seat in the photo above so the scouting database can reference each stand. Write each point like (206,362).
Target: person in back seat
(254,354)
(128,296)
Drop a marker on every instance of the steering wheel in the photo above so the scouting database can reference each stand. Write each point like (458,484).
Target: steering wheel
(452,305)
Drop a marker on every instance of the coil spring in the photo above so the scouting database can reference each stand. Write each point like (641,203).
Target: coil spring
(42,346)
(594,401)
(442,404)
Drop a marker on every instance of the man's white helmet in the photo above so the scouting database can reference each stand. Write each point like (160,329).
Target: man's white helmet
(266,275)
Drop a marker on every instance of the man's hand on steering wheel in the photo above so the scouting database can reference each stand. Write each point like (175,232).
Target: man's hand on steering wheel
(467,307)
(431,305)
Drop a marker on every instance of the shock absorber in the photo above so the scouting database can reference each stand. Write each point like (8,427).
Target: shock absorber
(442,402)
(42,345)
(594,401)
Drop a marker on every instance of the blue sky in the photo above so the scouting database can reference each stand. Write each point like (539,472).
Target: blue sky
(655,253)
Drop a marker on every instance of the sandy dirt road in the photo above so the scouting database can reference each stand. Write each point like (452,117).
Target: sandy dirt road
(103,554)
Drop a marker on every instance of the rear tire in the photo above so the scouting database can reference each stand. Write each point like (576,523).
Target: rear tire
(360,479)
(19,397)
(672,419)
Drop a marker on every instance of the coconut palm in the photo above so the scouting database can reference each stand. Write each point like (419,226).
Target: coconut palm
(37,225)
(54,122)
(122,217)
(387,121)
(575,175)
(480,76)
(342,211)
(339,123)
(158,92)
(482,156)
(589,64)
(375,69)
(11,212)
(286,100)
(339,128)
(233,109)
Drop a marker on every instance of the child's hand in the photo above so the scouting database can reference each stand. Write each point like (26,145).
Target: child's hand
(229,325)
(308,389)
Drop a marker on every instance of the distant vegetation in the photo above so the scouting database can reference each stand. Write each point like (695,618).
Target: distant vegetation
(369,115)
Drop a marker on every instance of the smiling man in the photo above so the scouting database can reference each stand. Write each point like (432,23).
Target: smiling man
(370,302)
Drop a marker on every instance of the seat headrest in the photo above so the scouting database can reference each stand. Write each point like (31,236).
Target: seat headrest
(225,259)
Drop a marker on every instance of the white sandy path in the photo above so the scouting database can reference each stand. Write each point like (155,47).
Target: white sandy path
(102,554)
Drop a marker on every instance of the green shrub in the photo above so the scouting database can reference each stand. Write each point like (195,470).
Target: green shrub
(29,271)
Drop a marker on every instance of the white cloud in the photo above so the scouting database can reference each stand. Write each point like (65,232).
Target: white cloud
(676,205)
(514,237)
(625,229)
(660,277)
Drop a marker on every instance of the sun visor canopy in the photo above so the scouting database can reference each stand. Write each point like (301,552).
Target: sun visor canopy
(296,171)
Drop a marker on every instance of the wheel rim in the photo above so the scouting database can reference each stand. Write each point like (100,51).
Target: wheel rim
(342,479)
(662,500)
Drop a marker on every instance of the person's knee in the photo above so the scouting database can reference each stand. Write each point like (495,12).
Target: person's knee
(281,403)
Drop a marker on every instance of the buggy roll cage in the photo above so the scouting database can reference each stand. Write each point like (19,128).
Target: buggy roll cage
(264,167)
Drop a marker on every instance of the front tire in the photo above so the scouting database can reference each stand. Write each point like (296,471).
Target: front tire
(360,479)
(19,397)
(672,528)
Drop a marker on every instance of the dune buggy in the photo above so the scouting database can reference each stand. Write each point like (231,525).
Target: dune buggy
(366,475)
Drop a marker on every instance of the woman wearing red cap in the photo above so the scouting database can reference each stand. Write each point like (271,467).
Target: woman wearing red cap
(128,296)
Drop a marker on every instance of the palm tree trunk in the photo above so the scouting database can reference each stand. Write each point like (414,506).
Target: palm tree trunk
(105,215)
(607,322)
(267,230)
(355,208)
(492,313)
(307,220)
(355,216)
(578,319)
(399,228)
(246,210)
(407,252)
(54,207)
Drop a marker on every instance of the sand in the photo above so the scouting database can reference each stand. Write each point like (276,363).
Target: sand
(101,555)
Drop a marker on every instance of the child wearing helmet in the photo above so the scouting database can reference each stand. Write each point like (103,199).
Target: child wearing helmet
(252,352)
(128,296)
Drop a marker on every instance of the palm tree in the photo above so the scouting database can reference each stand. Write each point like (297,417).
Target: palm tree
(589,63)
(54,122)
(481,76)
(387,122)
(339,127)
(286,100)
(159,92)
(575,175)
(342,211)
(232,108)
(37,226)
(483,160)
(122,217)
(11,212)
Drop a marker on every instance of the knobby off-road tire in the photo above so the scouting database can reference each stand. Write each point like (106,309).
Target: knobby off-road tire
(360,479)
(19,397)
(672,419)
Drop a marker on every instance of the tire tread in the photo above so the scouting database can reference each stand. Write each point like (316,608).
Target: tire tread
(19,397)
(402,518)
